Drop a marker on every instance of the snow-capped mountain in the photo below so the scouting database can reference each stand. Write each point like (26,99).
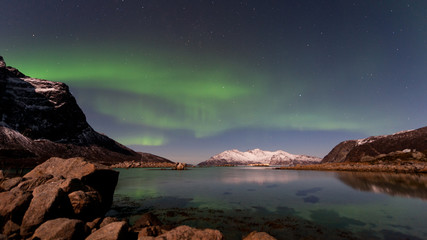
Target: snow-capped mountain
(258,156)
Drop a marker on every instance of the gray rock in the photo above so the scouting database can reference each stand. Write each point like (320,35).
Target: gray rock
(10,183)
(49,202)
(188,233)
(259,236)
(112,231)
(61,229)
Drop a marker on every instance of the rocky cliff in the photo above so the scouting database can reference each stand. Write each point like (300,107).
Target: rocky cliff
(412,143)
(40,119)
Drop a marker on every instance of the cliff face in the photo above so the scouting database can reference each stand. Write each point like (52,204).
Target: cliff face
(40,119)
(373,147)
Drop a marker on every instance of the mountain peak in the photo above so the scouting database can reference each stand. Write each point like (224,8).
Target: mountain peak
(258,156)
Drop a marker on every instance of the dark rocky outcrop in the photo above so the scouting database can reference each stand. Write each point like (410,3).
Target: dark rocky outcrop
(40,119)
(378,146)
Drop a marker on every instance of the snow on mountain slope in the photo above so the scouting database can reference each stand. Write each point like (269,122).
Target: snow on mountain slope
(258,156)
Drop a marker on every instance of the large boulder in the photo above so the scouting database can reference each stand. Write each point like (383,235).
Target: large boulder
(13,205)
(49,202)
(112,231)
(99,177)
(61,229)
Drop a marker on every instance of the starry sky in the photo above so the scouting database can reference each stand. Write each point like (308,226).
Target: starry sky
(187,79)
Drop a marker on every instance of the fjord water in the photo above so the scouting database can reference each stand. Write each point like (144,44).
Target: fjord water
(286,204)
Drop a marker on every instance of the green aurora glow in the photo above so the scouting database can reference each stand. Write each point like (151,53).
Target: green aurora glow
(187,80)
(207,100)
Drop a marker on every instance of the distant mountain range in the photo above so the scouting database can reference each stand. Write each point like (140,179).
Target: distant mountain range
(371,148)
(40,119)
(258,156)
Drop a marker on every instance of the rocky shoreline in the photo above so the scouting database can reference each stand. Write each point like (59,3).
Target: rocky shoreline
(406,161)
(397,167)
(68,198)
(139,164)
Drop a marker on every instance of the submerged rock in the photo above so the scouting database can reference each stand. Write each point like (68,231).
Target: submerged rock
(188,233)
(146,220)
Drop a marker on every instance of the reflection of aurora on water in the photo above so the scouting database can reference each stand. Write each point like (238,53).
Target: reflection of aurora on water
(291,204)
(394,184)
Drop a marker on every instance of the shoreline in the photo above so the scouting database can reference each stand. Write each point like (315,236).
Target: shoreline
(412,166)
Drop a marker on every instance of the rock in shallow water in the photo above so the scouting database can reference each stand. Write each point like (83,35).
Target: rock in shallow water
(187,233)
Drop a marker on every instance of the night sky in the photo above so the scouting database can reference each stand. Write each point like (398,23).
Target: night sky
(189,79)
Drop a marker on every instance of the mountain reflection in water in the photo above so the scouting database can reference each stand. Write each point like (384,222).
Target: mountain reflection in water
(394,184)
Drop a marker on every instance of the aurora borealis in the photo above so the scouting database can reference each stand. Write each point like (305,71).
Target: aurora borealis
(189,79)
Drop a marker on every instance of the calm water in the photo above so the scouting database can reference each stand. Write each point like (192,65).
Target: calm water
(286,204)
